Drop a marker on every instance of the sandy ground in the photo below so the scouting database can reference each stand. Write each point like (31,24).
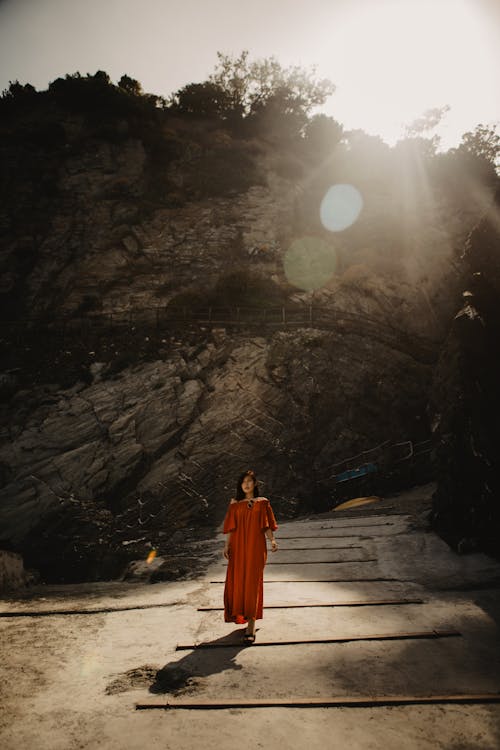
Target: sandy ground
(74,680)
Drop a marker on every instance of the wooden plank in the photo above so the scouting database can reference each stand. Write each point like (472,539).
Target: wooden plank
(96,611)
(341,702)
(360,603)
(402,636)
(330,580)
(315,530)
(322,562)
(318,562)
(309,549)
(339,526)
(329,536)
(369,512)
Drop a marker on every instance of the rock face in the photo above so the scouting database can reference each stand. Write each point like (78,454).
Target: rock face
(122,227)
(128,438)
(129,216)
(157,447)
(467,403)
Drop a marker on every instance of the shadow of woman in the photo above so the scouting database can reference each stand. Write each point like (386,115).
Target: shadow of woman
(187,672)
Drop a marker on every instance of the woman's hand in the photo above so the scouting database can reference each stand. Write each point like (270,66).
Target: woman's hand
(226,551)
(274,545)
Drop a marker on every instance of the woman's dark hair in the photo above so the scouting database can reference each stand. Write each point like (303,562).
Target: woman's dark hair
(240,495)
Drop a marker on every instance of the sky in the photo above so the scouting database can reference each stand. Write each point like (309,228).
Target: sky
(390,60)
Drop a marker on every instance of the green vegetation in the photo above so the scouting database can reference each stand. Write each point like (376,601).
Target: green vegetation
(259,97)
(218,138)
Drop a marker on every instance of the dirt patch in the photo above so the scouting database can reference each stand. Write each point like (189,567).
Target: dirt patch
(169,679)
(135,678)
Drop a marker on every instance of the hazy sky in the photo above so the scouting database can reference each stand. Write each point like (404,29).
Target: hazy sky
(390,59)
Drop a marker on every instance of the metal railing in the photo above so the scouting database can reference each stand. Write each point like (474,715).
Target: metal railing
(379,467)
(234,316)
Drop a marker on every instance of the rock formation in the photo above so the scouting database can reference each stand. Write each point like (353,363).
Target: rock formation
(125,426)
(466,401)
(155,448)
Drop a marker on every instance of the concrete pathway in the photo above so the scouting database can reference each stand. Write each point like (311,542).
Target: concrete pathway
(360,608)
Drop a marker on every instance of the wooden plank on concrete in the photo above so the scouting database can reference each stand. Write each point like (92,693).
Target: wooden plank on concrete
(319,562)
(329,536)
(95,611)
(359,513)
(329,580)
(309,549)
(341,702)
(357,603)
(322,562)
(358,525)
(401,636)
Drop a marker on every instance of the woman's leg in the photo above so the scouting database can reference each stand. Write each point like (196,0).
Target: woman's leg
(251,626)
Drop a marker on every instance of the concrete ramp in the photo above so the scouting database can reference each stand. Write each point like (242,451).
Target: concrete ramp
(375,636)
(352,623)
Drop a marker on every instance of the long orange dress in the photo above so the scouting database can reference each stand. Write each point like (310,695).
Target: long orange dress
(243,592)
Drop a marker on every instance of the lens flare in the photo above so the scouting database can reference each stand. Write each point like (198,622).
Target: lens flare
(340,207)
(151,556)
(309,263)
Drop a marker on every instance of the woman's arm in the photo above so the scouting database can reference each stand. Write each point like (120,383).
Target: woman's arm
(270,536)
(230,526)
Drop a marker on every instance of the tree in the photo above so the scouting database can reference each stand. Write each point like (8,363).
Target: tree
(202,99)
(19,92)
(83,93)
(429,120)
(416,148)
(324,129)
(100,78)
(322,135)
(357,140)
(18,97)
(239,89)
(130,86)
(252,85)
(361,158)
(483,142)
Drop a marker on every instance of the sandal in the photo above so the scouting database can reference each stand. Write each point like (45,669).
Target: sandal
(249,638)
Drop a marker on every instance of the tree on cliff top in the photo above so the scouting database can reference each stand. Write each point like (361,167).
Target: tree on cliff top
(239,89)
(483,142)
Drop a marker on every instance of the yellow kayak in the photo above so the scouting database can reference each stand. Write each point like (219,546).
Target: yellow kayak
(356,502)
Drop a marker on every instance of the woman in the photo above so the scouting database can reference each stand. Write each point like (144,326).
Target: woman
(249,520)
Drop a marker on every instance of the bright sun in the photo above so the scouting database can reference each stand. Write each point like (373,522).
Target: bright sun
(394,59)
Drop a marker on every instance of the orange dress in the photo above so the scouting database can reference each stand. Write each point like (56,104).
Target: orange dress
(243,592)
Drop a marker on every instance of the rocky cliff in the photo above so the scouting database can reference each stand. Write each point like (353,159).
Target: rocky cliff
(155,448)
(466,402)
(125,433)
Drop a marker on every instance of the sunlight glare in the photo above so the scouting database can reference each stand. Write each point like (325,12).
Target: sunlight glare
(397,58)
(310,263)
(340,207)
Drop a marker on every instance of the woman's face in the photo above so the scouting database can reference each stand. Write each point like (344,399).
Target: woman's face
(247,485)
